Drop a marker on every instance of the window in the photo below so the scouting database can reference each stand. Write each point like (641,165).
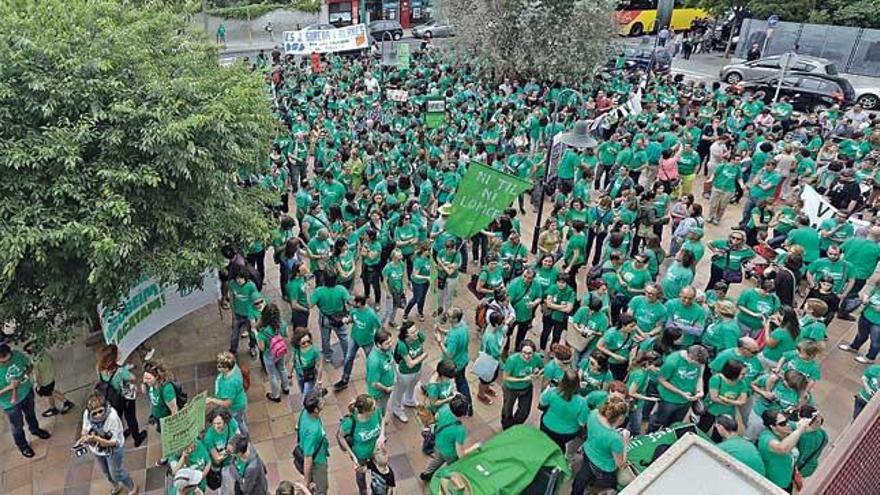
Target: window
(811,84)
(831,70)
(770,63)
(339,13)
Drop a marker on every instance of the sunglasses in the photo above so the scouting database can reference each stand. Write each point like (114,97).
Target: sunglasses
(97,412)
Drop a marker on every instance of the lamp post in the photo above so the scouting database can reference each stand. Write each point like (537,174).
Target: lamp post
(579,138)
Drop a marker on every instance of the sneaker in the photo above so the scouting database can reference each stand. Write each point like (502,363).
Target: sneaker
(863,360)
(410,405)
(253,352)
(68,405)
(116,490)
(27,452)
(41,433)
(401,416)
(846,348)
(340,385)
(273,399)
(426,477)
(286,391)
(140,438)
(48,413)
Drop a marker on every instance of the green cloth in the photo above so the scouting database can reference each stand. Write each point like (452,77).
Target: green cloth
(305,359)
(218,440)
(682,316)
(563,416)
(518,367)
(807,238)
(745,452)
(837,235)
(785,399)
(380,369)
(812,329)
(565,295)
(159,399)
(602,444)
(839,271)
(492,340)
(394,273)
(15,369)
(779,467)
(681,373)
(724,389)
(296,291)
(862,255)
(633,278)
(412,349)
(243,298)
(520,296)
(872,307)
(482,194)
(365,434)
(765,304)
(198,459)
(330,300)
(231,388)
(736,259)
(677,277)
(810,447)
(313,438)
(721,335)
(449,432)
(641,378)
(619,343)
(365,324)
(753,365)
(784,343)
(793,361)
(726,176)
(870,382)
(457,345)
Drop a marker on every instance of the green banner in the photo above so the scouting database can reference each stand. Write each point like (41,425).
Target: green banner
(402,56)
(435,112)
(181,428)
(643,449)
(483,195)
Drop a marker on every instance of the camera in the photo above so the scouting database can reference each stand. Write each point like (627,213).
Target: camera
(79,450)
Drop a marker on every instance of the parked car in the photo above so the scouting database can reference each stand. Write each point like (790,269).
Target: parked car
(806,92)
(639,57)
(770,66)
(378,29)
(868,98)
(319,27)
(434,29)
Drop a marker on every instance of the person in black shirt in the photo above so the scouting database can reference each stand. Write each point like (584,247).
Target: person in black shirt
(381,474)
(846,194)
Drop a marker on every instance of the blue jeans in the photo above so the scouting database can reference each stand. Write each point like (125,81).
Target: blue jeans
(304,386)
(277,371)
(420,291)
(18,414)
(239,324)
(747,211)
(462,386)
(351,355)
(666,414)
(112,466)
(867,329)
(341,334)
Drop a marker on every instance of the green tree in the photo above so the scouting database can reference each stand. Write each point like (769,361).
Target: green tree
(120,144)
(552,39)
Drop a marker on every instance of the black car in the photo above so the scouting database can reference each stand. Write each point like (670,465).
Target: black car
(378,29)
(639,57)
(806,92)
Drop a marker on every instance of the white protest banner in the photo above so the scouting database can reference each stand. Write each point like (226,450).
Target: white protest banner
(397,94)
(342,39)
(184,426)
(149,307)
(818,208)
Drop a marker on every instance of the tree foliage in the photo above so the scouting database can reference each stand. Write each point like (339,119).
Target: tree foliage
(858,13)
(121,141)
(551,39)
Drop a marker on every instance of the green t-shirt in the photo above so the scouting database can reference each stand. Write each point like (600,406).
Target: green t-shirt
(872,307)
(553,372)
(724,389)
(839,271)
(394,274)
(807,238)
(492,340)
(784,343)
(412,349)
(15,369)
(438,391)
(313,438)
(812,329)
(198,459)
(745,452)
(365,324)
(684,316)
(159,399)
(766,187)
(562,296)
(786,398)
(779,467)
(243,298)
(380,369)
(563,416)
(296,291)
(735,260)
(516,366)
(862,255)
(619,343)
(365,434)
(231,388)
(449,432)
(765,304)
(305,359)
(726,176)
(810,447)
(648,315)
(721,335)
(677,277)
(753,364)
(837,235)
(546,278)
(406,233)
(810,369)
(330,300)
(641,377)
(575,250)
(633,278)
(457,345)
(218,440)
(591,380)
(682,374)
(602,444)
(870,382)
(520,296)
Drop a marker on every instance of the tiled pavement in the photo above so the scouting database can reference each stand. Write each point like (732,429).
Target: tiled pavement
(190,345)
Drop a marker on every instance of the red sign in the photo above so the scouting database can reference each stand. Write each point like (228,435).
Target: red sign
(316,63)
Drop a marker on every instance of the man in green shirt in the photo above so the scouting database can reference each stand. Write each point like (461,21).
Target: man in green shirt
(244,307)
(558,305)
(332,302)
(364,324)
(454,346)
(380,370)
(312,439)
(685,314)
(17,398)
(805,236)
(776,445)
(832,266)
(679,384)
(524,296)
(726,177)
(648,311)
(449,436)
(862,255)
(763,186)
(835,231)
(736,446)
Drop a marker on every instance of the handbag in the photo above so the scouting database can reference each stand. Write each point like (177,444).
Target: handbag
(728,275)
(215,476)
(299,460)
(485,366)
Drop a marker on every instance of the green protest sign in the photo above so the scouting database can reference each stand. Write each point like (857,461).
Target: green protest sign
(642,449)
(181,428)
(402,56)
(483,194)
(435,112)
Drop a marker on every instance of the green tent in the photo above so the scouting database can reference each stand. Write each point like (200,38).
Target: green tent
(506,464)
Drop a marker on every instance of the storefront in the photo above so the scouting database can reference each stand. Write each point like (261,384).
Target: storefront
(406,12)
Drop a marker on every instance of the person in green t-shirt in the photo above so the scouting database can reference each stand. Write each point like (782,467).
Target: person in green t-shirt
(728,258)
(725,179)
(736,446)
(331,299)
(217,440)
(863,256)
(450,435)
(776,445)
(17,399)
(564,410)
(306,361)
(359,433)
(679,384)
(679,274)
(409,353)
(619,344)
(558,305)
(524,294)
(312,440)
(516,375)
(868,327)
(728,391)
(245,297)
(229,390)
(835,231)
(870,386)
(812,442)
(380,370)
(271,329)
(194,457)
(160,390)
(756,305)
(724,332)
(686,315)
(453,345)
(395,296)
(421,280)
(605,447)
(786,394)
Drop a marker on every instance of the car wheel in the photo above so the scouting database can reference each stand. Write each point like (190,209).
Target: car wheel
(869,101)
(637,29)
(397,36)
(733,78)
(429,34)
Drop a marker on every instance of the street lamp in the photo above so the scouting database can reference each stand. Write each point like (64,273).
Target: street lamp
(579,138)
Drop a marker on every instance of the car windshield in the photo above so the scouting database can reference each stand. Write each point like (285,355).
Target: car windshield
(831,70)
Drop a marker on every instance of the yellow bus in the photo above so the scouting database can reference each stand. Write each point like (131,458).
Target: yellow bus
(638,17)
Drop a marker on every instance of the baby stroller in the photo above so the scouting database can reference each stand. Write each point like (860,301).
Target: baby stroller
(765,255)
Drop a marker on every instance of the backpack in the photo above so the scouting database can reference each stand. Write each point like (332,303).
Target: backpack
(277,347)
(110,394)
(180,396)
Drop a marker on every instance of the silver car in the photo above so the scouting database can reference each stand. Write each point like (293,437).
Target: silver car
(434,29)
(770,66)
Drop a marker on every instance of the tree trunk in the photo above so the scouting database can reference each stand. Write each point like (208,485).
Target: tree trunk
(736,21)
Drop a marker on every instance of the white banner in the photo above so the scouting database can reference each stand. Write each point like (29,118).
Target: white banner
(306,42)
(397,94)
(818,208)
(149,307)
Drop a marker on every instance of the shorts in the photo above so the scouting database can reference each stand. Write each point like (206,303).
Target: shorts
(47,390)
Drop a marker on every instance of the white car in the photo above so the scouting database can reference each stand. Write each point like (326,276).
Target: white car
(868,97)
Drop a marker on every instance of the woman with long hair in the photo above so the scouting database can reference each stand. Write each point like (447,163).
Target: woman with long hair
(564,410)
(409,354)
(307,365)
(360,432)
(605,448)
(343,263)
(272,344)
(121,379)
(782,330)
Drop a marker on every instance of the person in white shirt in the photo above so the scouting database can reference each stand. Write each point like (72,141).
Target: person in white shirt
(102,434)
(857,115)
(371,83)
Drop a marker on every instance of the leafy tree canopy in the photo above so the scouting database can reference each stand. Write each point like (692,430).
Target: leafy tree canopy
(121,142)
(858,13)
(549,39)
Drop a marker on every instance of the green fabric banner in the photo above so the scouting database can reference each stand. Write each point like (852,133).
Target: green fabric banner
(483,194)
(643,449)
(184,426)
